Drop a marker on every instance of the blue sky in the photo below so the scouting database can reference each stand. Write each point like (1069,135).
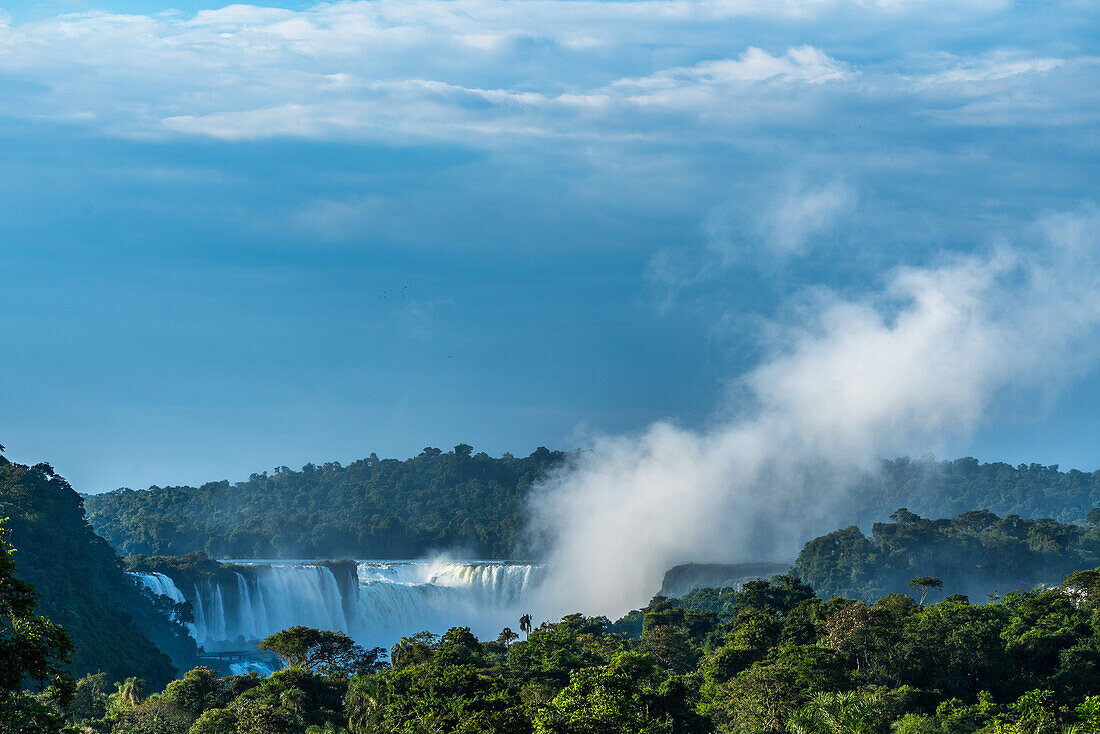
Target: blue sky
(234,238)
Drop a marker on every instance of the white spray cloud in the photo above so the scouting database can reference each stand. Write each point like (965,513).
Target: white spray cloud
(896,372)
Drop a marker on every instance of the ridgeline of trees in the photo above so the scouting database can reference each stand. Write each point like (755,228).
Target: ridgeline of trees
(113,624)
(949,488)
(386,508)
(372,508)
(978,553)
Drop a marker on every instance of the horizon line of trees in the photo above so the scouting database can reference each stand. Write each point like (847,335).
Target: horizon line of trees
(371,508)
(470,502)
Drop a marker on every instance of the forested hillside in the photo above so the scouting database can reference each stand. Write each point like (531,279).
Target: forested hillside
(112,623)
(978,554)
(949,488)
(372,508)
(387,508)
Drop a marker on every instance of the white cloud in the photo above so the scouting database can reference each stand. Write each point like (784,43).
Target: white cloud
(999,66)
(484,71)
(291,119)
(804,63)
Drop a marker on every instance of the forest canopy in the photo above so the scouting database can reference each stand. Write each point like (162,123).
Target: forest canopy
(114,625)
(977,554)
(372,508)
(476,504)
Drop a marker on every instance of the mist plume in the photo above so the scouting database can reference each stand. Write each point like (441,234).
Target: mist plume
(899,371)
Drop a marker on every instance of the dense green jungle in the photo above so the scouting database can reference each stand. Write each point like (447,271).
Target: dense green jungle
(988,621)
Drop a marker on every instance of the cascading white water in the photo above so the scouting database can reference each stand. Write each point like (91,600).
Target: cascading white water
(384,602)
(161,585)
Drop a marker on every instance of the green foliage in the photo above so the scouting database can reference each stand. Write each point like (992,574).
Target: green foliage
(257,717)
(324,651)
(372,508)
(852,712)
(33,652)
(23,713)
(976,554)
(629,694)
(32,648)
(771,657)
(215,721)
(113,624)
(781,664)
(199,689)
(947,488)
(152,717)
(386,508)
(89,699)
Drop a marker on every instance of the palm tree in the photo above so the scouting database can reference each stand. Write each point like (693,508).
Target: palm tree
(525,625)
(839,713)
(132,690)
(293,699)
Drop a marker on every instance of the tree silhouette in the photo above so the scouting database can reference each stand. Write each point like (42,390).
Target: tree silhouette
(925,584)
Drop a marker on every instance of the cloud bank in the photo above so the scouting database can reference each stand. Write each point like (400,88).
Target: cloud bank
(493,72)
(899,370)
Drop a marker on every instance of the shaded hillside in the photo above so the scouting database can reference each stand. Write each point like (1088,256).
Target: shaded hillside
(687,577)
(976,554)
(372,508)
(113,624)
(949,488)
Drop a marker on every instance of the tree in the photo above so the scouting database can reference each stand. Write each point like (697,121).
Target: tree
(366,704)
(525,625)
(1084,587)
(414,649)
(759,699)
(850,713)
(32,649)
(293,699)
(200,689)
(132,690)
(1088,713)
(255,717)
(215,721)
(924,584)
(153,717)
(627,695)
(1035,712)
(323,651)
(507,636)
(89,698)
(869,634)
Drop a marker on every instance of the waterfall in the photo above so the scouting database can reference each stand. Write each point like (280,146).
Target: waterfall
(200,632)
(244,595)
(161,585)
(379,602)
